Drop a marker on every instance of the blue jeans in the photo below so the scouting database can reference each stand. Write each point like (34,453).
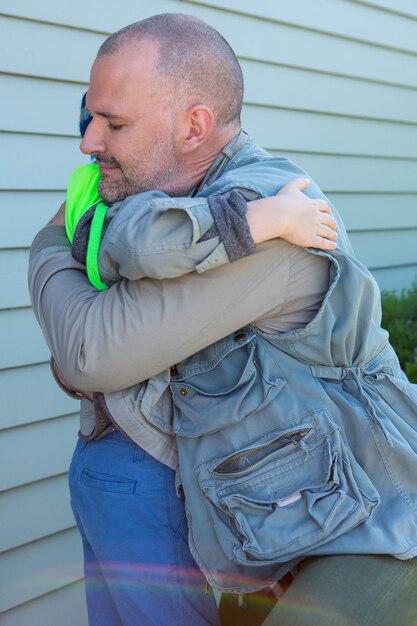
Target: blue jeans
(138,567)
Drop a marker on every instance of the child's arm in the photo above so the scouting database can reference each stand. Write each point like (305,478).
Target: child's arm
(159,237)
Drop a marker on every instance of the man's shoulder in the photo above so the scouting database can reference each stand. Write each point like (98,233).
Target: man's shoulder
(255,169)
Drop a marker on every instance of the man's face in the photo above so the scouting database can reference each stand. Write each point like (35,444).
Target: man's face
(132,130)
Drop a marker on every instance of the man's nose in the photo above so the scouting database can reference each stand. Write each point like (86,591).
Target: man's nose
(92,142)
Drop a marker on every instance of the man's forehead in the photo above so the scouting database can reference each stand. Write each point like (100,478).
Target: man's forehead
(105,99)
(117,83)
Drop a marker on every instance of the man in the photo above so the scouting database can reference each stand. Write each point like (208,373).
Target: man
(159,121)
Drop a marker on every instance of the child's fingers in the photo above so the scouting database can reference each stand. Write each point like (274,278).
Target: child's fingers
(324,244)
(327,219)
(297,184)
(328,233)
(322,205)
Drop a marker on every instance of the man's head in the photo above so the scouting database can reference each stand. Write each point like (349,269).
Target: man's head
(165,95)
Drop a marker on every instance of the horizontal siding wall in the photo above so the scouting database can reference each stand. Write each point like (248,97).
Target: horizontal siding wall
(332,84)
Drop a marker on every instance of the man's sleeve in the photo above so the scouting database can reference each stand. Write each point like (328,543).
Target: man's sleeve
(112,339)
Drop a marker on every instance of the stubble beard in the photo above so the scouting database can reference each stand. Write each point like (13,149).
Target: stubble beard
(159,169)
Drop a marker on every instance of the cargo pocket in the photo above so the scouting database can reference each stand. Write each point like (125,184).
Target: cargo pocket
(234,384)
(288,493)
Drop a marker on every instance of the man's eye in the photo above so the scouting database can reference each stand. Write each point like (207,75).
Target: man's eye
(116,126)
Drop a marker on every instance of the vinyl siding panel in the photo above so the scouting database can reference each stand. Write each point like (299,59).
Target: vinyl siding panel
(53,106)
(39,567)
(390,277)
(14,284)
(33,208)
(331,84)
(64,602)
(310,90)
(330,133)
(374,211)
(40,459)
(21,340)
(37,162)
(406,8)
(358,174)
(382,249)
(23,519)
(42,398)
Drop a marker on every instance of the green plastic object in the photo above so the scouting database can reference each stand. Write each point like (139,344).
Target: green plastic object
(82,194)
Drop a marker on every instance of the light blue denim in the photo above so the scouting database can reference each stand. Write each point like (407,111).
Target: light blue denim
(299,444)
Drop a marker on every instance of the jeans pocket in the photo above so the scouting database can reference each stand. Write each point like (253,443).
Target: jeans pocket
(107,482)
(287,494)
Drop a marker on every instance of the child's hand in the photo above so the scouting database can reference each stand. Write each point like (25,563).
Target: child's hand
(306,221)
(293,216)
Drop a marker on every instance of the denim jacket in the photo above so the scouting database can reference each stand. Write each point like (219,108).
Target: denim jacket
(300,443)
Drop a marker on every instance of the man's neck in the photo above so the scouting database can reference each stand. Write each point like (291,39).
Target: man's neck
(198,166)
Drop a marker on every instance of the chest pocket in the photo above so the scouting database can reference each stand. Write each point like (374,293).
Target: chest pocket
(237,379)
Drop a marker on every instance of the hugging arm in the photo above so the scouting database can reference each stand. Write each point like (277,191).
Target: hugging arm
(153,235)
(112,339)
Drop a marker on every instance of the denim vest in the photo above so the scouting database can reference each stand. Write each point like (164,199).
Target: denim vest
(295,444)
(298,444)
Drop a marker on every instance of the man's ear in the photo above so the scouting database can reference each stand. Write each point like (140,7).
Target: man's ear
(196,126)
